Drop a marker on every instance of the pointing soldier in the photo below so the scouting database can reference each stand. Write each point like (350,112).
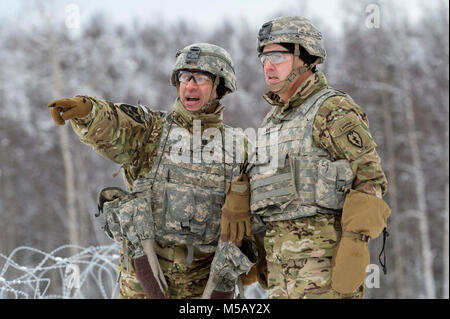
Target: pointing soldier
(169,220)
(323,202)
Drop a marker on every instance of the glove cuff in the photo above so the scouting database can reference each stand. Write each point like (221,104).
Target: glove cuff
(235,216)
(364,214)
(354,235)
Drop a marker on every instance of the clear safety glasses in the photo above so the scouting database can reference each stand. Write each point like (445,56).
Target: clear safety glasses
(275,57)
(199,78)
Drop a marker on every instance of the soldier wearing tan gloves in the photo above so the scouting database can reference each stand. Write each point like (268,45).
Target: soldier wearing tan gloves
(323,200)
(169,219)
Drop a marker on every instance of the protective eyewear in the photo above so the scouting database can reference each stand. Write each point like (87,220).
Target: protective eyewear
(275,57)
(199,78)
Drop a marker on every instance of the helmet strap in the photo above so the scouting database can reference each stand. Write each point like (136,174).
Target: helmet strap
(212,100)
(282,86)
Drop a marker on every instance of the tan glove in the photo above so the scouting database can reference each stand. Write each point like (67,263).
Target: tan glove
(235,221)
(364,216)
(69,108)
(251,277)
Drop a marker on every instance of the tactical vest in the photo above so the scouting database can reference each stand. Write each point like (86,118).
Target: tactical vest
(304,180)
(186,197)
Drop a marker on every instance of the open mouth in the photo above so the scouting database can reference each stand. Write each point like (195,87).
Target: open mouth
(191,101)
(272,79)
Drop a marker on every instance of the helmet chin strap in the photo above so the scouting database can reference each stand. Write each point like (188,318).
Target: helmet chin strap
(282,86)
(212,100)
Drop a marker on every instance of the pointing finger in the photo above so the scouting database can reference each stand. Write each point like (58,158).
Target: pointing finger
(55,112)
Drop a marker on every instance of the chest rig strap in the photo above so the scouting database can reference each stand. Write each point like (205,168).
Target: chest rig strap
(160,161)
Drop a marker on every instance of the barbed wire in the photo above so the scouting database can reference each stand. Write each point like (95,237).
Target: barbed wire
(89,273)
(29,273)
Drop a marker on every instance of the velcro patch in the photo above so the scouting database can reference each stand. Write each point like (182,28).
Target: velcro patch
(352,139)
(132,112)
(355,139)
(239,188)
(344,124)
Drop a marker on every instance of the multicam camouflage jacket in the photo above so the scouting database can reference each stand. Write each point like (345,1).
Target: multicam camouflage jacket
(323,148)
(184,195)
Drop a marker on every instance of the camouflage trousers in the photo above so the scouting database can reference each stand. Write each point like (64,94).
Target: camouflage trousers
(299,254)
(185,282)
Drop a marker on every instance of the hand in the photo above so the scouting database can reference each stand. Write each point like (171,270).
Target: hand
(69,108)
(234,230)
(363,217)
(235,221)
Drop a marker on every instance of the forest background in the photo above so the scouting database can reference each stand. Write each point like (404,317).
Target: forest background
(394,66)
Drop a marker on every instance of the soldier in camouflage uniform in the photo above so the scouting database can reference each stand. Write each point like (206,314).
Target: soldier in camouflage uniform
(172,209)
(322,202)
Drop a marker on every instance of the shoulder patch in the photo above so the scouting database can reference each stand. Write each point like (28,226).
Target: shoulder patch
(355,139)
(350,137)
(345,124)
(132,112)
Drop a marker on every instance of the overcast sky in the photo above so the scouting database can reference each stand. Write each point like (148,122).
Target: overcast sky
(205,13)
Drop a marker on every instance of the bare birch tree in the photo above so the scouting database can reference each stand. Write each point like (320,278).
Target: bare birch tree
(69,173)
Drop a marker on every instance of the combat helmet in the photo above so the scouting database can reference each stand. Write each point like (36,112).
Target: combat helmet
(299,31)
(210,58)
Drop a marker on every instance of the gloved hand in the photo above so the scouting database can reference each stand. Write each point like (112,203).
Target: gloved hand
(70,108)
(235,221)
(363,217)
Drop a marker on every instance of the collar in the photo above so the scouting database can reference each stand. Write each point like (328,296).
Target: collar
(186,118)
(312,84)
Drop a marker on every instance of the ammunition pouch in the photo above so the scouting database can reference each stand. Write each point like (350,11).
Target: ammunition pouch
(230,262)
(127,218)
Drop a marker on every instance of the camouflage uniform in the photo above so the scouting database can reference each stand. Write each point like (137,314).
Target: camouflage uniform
(185,197)
(303,232)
